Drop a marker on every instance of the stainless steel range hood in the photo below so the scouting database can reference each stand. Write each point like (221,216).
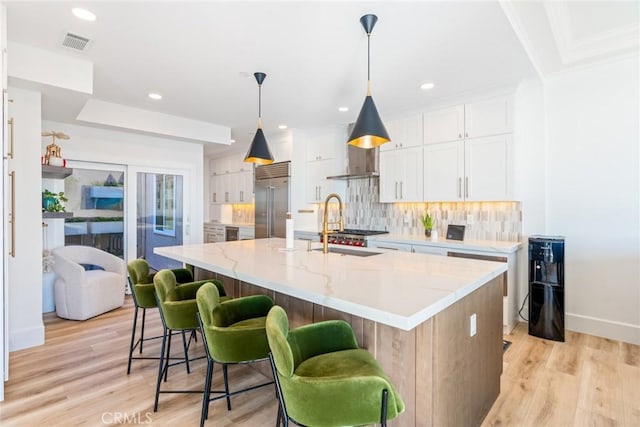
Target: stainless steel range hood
(361,163)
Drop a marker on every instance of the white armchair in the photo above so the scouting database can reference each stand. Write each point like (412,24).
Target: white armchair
(81,294)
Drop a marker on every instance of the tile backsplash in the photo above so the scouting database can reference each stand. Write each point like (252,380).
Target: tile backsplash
(243,213)
(501,221)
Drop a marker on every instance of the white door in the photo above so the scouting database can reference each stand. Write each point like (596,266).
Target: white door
(487,168)
(159,214)
(443,172)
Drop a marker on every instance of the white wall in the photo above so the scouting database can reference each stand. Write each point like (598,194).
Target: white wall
(530,156)
(593,194)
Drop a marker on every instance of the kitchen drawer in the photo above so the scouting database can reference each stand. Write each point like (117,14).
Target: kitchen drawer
(402,247)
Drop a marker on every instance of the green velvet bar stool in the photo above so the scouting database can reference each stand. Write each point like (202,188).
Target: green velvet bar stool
(178,312)
(324,379)
(141,284)
(234,332)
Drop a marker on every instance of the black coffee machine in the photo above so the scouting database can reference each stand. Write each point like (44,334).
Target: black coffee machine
(546,287)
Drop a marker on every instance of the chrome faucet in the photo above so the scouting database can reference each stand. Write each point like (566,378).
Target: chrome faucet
(325,222)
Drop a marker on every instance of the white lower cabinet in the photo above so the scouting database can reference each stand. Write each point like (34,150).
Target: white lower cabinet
(213,233)
(477,169)
(423,249)
(392,246)
(407,247)
(246,233)
(401,175)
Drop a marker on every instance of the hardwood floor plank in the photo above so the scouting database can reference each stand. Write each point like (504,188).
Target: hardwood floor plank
(586,418)
(601,385)
(630,354)
(631,394)
(553,402)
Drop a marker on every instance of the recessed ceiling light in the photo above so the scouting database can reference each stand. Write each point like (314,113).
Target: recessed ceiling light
(83,14)
(155,96)
(282,127)
(343,109)
(427,86)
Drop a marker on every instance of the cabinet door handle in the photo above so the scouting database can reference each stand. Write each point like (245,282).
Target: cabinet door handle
(460,135)
(226,196)
(10,152)
(400,189)
(459,188)
(386,247)
(466,134)
(215,197)
(396,192)
(12,214)
(466,186)
(242,196)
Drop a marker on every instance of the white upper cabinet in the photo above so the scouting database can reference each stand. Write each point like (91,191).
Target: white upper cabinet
(490,117)
(404,133)
(323,145)
(444,171)
(281,150)
(477,169)
(401,175)
(444,125)
(229,164)
(325,156)
(487,164)
(472,120)
(401,161)
(231,179)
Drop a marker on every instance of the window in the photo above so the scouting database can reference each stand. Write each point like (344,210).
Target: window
(164,206)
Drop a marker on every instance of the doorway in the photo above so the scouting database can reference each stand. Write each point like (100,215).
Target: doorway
(159,216)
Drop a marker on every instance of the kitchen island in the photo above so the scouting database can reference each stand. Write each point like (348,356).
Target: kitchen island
(434,323)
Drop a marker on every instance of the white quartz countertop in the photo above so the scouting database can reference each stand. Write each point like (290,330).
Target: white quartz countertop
(476,245)
(397,289)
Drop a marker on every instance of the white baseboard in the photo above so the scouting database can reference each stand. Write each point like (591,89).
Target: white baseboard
(603,328)
(25,338)
(599,327)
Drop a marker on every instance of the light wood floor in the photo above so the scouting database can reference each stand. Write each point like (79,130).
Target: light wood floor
(79,378)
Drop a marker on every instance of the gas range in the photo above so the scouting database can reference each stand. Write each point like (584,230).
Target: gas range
(351,237)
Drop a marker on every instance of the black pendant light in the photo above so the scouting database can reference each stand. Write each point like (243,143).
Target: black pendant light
(369,131)
(259,150)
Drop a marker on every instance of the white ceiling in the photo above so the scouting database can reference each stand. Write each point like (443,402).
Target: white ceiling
(201,56)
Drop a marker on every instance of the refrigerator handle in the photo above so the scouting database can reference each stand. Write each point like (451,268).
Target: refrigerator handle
(271,210)
(268,211)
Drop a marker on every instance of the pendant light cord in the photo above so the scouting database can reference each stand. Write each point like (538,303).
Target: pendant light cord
(368,57)
(259,101)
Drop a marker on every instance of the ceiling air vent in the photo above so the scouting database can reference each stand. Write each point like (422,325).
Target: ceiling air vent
(75,42)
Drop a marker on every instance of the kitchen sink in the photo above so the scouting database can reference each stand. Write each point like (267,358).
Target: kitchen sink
(345,251)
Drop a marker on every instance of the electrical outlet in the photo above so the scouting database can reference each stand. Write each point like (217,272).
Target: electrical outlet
(472,325)
(469,219)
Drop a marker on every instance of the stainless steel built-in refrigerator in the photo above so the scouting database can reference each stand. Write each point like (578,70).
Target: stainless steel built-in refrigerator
(272,193)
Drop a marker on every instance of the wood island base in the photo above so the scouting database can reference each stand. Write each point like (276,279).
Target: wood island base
(445,376)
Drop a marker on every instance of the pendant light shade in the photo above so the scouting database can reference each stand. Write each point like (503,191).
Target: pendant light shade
(259,150)
(369,131)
